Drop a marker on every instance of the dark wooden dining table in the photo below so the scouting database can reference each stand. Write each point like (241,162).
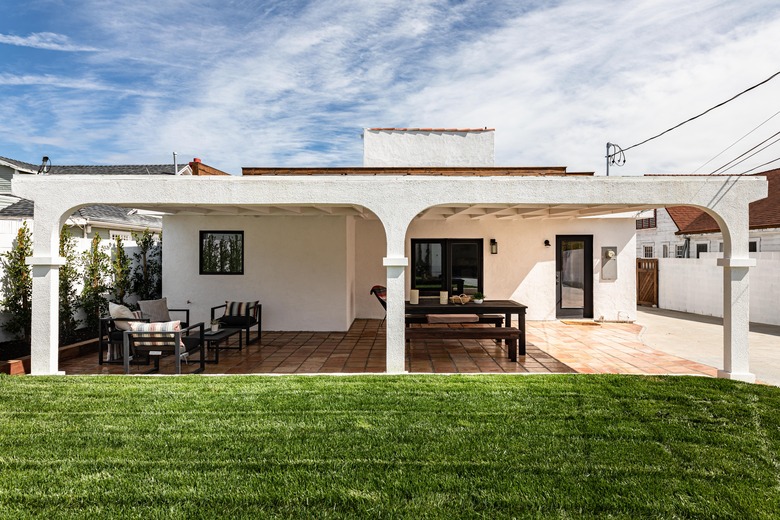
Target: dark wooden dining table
(506,307)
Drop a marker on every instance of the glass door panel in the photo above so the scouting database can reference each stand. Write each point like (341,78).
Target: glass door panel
(429,267)
(572,274)
(465,267)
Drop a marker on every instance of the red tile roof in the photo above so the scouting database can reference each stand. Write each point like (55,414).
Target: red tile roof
(460,130)
(764,213)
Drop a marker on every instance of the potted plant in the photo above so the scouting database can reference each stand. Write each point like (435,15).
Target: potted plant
(478,297)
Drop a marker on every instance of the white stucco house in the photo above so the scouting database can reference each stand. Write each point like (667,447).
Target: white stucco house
(314,240)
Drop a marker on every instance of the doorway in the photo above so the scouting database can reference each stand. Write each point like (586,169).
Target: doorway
(574,276)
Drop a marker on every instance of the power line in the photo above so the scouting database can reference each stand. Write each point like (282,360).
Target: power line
(729,147)
(730,165)
(760,166)
(703,113)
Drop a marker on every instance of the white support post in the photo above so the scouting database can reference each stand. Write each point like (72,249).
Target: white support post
(396,311)
(44,354)
(736,319)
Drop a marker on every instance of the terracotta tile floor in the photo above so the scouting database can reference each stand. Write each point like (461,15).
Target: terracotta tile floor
(553,347)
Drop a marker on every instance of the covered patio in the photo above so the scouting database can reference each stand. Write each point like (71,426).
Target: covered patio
(396,197)
(554,347)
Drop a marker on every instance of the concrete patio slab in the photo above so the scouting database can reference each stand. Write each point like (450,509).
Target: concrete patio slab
(700,338)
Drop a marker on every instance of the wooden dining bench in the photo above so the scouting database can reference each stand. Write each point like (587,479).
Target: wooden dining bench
(510,334)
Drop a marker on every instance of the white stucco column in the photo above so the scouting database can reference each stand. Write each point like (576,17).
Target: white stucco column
(44,353)
(45,263)
(395,323)
(733,219)
(736,319)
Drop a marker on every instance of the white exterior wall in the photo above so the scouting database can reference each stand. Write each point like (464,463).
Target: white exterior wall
(370,248)
(523,269)
(696,285)
(419,148)
(295,266)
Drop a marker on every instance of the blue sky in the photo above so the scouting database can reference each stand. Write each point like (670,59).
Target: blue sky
(292,83)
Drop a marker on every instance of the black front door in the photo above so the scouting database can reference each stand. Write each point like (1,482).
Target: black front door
(574,276)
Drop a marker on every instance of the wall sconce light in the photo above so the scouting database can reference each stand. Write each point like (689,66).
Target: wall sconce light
(547,243)
(493,246)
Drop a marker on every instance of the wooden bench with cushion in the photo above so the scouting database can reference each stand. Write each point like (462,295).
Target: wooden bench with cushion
(493,319)
(510,334)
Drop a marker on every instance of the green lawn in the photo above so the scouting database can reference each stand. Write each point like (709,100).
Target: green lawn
(388,447)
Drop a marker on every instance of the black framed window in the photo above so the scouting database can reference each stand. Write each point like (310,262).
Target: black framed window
(452,265)
(221,252)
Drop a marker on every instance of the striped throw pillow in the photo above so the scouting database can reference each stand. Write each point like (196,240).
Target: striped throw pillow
(160,326)
(239,308)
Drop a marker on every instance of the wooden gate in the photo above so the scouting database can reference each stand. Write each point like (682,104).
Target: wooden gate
(647,281)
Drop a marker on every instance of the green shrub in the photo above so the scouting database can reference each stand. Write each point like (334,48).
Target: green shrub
(93,295)
(17,285)
(68,298)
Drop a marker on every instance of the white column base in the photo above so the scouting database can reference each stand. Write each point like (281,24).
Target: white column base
(746,377)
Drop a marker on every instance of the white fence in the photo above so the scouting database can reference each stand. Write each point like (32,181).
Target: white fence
(696,285)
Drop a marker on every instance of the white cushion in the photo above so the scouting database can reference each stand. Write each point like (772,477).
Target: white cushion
(120,311)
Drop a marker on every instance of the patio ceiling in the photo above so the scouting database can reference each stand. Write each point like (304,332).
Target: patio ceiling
(449,212)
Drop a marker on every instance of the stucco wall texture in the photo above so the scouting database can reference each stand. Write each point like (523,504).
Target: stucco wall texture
(428,148)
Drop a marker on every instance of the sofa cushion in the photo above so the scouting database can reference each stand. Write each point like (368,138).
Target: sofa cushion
(167,326)
(121,313)
(453,318)
(155,310)
(238,321)
(240,308)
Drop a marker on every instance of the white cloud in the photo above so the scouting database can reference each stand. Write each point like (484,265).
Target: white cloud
(293,83)
(45,40)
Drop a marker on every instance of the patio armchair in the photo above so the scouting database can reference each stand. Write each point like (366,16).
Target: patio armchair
(154,340)
(157,311)
(380,291)
(110,332)
(243,315)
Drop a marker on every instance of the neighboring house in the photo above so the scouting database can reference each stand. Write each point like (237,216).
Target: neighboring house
(688,243)
(310,242)
(687,232)
(106,220)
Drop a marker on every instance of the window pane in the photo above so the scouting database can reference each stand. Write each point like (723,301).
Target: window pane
(465,268)
(429,266)
(573,274)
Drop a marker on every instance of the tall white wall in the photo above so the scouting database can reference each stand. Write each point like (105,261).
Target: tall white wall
(696,285)
(295,266)
(428,148)
(523,269)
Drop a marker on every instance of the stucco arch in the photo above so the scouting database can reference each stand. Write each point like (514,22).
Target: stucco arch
(396,199)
